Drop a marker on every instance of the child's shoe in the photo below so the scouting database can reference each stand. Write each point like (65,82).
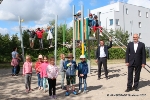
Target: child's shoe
(79,91)
(27,91)
(74,92)
(85,91)
(67,93)
(51,97)
(54,97)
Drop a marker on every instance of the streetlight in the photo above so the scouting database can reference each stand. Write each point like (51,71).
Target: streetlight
(1,1)
(20,28)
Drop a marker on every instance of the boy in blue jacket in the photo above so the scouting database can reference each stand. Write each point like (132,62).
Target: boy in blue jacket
(70,69)
(82,73)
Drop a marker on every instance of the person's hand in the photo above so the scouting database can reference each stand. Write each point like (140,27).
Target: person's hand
(81,75)
(127,64)
(23,75)
(143,65)
(110,39)
(96,61)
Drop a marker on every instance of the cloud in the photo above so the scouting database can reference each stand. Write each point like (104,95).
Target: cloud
(144,3)
(112,1)
(40,11)
(70,24)
(80,3)
(93,2)
(3,31)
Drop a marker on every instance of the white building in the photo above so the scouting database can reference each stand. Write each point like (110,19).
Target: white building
(128,17)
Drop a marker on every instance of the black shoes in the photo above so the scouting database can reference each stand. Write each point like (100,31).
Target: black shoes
(136,89)
(98,78)
(128,90)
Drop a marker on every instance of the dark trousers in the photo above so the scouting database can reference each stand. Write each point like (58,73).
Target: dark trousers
(104,62)
(130,76)
(52,86)
(50,42)
(18,69)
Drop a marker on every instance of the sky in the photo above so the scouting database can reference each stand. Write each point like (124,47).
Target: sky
(38,13)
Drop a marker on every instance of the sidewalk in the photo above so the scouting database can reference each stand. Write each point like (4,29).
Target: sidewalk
(12,88)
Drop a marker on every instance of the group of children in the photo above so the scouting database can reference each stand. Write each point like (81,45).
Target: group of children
(39,34)
(92,22)
(47,72)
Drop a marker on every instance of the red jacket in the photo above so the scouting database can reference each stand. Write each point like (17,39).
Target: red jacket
(39,33)
(37,66)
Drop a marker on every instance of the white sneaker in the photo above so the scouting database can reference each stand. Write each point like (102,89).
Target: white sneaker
(85,91)
(79,91)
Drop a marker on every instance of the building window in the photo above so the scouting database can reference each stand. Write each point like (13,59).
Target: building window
(146,14)
(111,21)
(139,13)
(140,35)
(117,21)
(140,25)
(127,11)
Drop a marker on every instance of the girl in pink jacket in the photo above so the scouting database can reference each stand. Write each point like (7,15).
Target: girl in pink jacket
(43,73)
(52,72)
(27,72)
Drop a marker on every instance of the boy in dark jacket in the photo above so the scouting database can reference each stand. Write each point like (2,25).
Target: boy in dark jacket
(82,73)
(70,68)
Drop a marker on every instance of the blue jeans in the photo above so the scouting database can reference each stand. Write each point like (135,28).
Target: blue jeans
(14,69)
(84,82)
(40,81)
(45,82)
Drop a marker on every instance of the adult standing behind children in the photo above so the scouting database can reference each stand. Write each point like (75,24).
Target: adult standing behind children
(101,57)
(39,33)
(14,61)
(62,71)
(38,69)
(70,67)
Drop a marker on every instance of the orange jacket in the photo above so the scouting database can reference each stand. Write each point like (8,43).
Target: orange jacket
(37,66)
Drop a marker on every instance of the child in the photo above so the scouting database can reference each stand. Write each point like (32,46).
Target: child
(27,72)
(82,73)
(37,69)
(14,62)
(52,72)
(43,73)
(70,67)
(62,71)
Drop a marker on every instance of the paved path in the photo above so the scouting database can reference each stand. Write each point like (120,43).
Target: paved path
(12,88)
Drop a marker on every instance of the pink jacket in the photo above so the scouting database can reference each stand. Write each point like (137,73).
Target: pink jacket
(43,67)
(27,68)
(52,71)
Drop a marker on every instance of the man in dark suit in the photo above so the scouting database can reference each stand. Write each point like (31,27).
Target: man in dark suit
(135,60)
(102,56)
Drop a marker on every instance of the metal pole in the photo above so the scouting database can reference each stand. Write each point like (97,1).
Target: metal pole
(64,32)
(124,17)
(21,38)
(74,48)
(98,31)
(56,18)
(82,30)
(89,63)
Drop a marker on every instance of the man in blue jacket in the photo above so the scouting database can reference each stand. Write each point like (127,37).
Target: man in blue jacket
(82,73)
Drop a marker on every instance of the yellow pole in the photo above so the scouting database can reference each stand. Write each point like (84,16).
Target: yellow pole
(82,48)
(82,29)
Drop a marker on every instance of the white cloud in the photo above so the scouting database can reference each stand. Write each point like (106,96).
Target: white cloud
(144,3)
(112,1)
(80,3)
(93,2)
(3,31)
(70,24)
(40,11)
